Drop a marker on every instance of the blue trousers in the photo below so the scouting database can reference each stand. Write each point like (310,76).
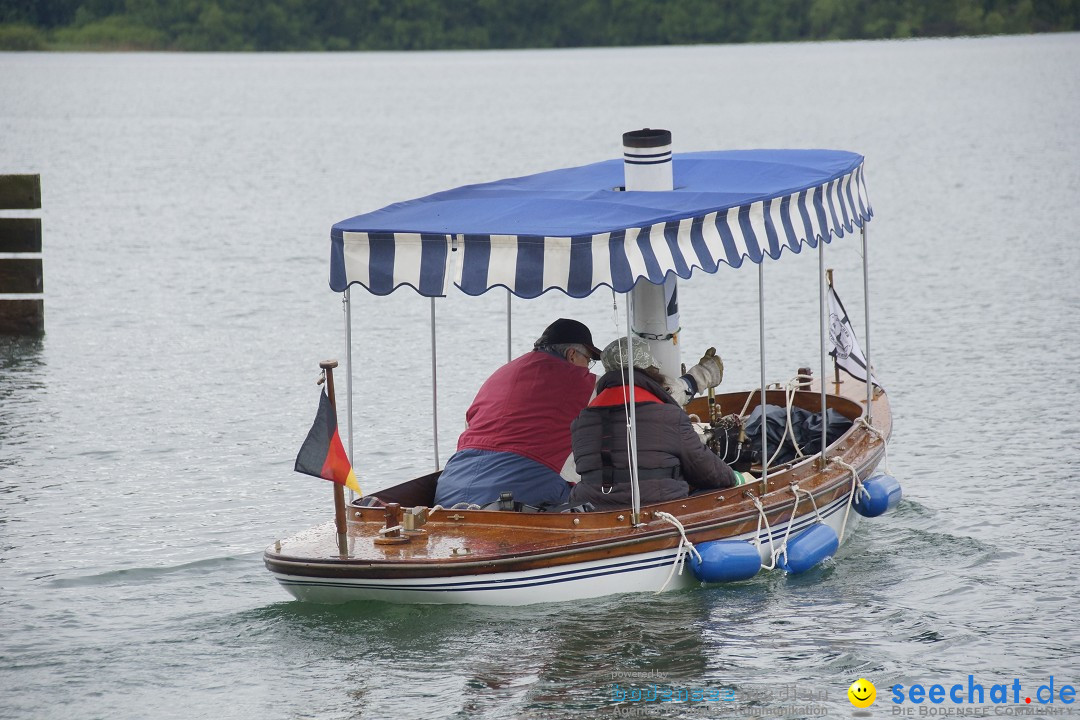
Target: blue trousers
(478,476)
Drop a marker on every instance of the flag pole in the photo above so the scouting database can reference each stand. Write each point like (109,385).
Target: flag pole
(835,362)
(339,491)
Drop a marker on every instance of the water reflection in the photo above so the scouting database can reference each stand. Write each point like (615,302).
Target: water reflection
(22,379)
(605,655)
(536,661)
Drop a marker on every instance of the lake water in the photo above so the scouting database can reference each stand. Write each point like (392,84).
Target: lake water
(146,442)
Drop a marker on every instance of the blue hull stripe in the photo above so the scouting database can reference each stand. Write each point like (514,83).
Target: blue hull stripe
(503,583)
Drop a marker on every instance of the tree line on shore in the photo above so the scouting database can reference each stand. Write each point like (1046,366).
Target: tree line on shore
(315,25)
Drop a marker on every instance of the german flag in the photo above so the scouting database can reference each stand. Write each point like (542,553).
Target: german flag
(322,453)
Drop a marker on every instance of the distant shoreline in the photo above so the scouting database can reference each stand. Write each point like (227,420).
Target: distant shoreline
(367,25)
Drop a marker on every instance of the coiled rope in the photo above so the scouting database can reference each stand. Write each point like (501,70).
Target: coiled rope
(793,385)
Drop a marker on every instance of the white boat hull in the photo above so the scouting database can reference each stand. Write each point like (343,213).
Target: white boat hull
(644,572)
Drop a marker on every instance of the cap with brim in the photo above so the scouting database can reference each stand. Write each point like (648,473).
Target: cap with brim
(569,332)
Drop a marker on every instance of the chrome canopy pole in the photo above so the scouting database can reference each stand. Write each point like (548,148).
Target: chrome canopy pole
(434,389)
(635,488)
(821,317)
(509,326)
(347,301)
(866,311)
(761,354)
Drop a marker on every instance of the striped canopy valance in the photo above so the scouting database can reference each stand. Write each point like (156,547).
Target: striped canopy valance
(575,230)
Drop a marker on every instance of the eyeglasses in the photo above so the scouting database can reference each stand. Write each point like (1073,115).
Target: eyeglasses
(589,362)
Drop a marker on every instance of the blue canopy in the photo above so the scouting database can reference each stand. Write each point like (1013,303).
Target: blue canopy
(575,229)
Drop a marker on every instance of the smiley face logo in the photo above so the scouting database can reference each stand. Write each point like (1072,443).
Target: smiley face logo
(862,693)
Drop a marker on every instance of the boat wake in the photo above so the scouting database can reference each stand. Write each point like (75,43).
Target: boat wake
(146,575)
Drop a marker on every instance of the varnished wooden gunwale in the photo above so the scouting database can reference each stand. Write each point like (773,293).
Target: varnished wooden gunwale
(509,541)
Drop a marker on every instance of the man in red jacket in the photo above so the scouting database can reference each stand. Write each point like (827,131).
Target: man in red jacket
(517,437)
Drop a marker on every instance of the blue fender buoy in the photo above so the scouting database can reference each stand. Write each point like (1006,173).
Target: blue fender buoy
(725,561)
(808,548)
(884,494)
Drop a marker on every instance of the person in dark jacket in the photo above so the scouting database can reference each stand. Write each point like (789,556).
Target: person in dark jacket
(672,460)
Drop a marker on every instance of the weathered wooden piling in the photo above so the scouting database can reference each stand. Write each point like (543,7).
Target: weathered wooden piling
(22,304)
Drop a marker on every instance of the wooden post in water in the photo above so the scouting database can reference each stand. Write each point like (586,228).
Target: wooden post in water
(339,491)
(20,258)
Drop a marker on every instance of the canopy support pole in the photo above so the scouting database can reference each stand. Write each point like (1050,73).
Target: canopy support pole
(347,300)
(434,389)
(509,326)
(823,334)
(866,311)
(761,353)
(635,488)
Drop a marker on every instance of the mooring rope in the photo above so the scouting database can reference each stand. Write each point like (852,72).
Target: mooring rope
(685,546)
(856,486)
(773,552)
(796,489)
(881,436)
(791,522)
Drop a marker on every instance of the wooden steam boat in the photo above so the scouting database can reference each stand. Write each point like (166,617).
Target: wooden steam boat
(577,230)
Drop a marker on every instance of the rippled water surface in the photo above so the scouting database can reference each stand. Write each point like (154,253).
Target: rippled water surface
(146,442)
